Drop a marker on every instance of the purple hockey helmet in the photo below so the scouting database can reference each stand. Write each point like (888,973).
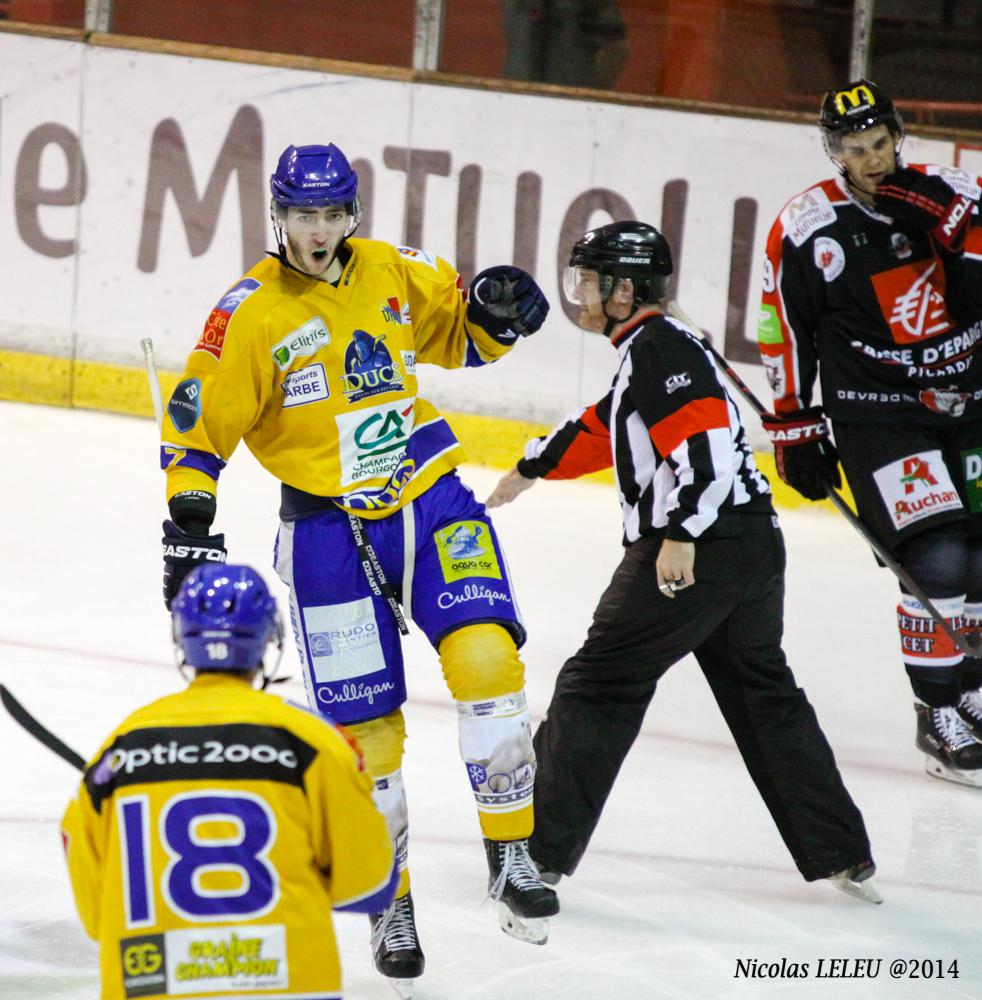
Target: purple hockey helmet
(309,176)
(224,617)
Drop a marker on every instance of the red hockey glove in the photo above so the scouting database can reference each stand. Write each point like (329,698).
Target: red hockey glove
(806,459)
(927,202)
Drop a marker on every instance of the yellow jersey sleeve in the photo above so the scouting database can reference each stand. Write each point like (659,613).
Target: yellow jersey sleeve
(222,392)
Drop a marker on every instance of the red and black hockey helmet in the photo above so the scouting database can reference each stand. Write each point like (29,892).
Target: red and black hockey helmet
(856,107)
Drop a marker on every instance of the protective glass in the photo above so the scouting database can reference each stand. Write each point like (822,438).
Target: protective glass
(582,285)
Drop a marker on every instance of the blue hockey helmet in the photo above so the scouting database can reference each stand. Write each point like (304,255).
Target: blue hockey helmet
(313,177)
(308,176)
(224,617)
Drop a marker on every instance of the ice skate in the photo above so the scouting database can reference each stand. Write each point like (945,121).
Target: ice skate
(970,709)
(858,881)
(524,902)
(395,945)
(951,751)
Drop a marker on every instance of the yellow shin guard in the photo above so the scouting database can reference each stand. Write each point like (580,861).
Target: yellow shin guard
(383,741)
(486,677)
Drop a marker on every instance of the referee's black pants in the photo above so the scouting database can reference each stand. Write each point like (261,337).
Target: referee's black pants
(732,620)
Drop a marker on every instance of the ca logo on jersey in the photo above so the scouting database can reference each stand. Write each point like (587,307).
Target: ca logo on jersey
(372,441)
(369,368)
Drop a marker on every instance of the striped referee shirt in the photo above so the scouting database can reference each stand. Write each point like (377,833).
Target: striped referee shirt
(670,430)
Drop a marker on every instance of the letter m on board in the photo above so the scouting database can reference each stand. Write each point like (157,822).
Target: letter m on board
(170,170)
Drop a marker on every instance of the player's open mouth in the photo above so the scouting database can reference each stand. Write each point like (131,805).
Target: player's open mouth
(318,255)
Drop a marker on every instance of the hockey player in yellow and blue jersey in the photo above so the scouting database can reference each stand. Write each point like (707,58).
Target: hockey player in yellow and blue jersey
(215,829)
(311,359)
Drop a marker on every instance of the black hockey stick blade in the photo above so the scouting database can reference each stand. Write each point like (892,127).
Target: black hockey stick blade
(24,718)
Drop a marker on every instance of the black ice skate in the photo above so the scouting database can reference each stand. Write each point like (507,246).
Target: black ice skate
(524,902)
(952,752)
(858,881)
(395,945)
(970,709)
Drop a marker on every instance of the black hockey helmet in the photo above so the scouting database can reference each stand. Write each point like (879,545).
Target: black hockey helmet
(858,106)
(632,250)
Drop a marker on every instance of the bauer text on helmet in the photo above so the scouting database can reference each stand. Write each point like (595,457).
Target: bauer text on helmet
(614,270)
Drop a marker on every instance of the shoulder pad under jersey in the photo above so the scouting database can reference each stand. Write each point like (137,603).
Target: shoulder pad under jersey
(806,213)
(959,180)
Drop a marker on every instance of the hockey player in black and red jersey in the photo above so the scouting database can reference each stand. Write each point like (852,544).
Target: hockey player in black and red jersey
(703,572)
(873,284)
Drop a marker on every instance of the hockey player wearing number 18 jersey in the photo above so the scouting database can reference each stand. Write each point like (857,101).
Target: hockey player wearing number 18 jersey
(873,285)
(216,829)
(702,572)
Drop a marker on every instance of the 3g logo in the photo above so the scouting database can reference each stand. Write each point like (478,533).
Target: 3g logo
(142,959)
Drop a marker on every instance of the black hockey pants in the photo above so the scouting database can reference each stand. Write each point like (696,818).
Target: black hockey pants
(732,620)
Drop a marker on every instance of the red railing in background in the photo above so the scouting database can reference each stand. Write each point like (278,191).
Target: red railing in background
(775,54)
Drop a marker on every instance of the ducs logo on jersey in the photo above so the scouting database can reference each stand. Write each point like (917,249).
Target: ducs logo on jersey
(369,368)
(213,336)
(393,312)
(912,300)
(304,342)
(848,102)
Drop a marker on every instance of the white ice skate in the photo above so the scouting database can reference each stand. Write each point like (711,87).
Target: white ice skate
(857,881)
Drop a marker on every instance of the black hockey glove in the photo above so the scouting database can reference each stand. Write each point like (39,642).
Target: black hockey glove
(182,552)
(806,459)
(927,202)
(507,303)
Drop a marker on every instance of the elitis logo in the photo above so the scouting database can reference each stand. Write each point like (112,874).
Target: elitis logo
(393,312)
(916,470)
(369,368)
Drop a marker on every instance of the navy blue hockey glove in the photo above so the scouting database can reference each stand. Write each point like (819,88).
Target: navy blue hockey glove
(926,202)
(806,458)
(507,303)
(182,552)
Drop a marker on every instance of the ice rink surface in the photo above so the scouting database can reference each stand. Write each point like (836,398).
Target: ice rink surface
(686,875)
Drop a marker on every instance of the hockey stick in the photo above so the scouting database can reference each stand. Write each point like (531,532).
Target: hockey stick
(151,366)
(24,718)
(966,647)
